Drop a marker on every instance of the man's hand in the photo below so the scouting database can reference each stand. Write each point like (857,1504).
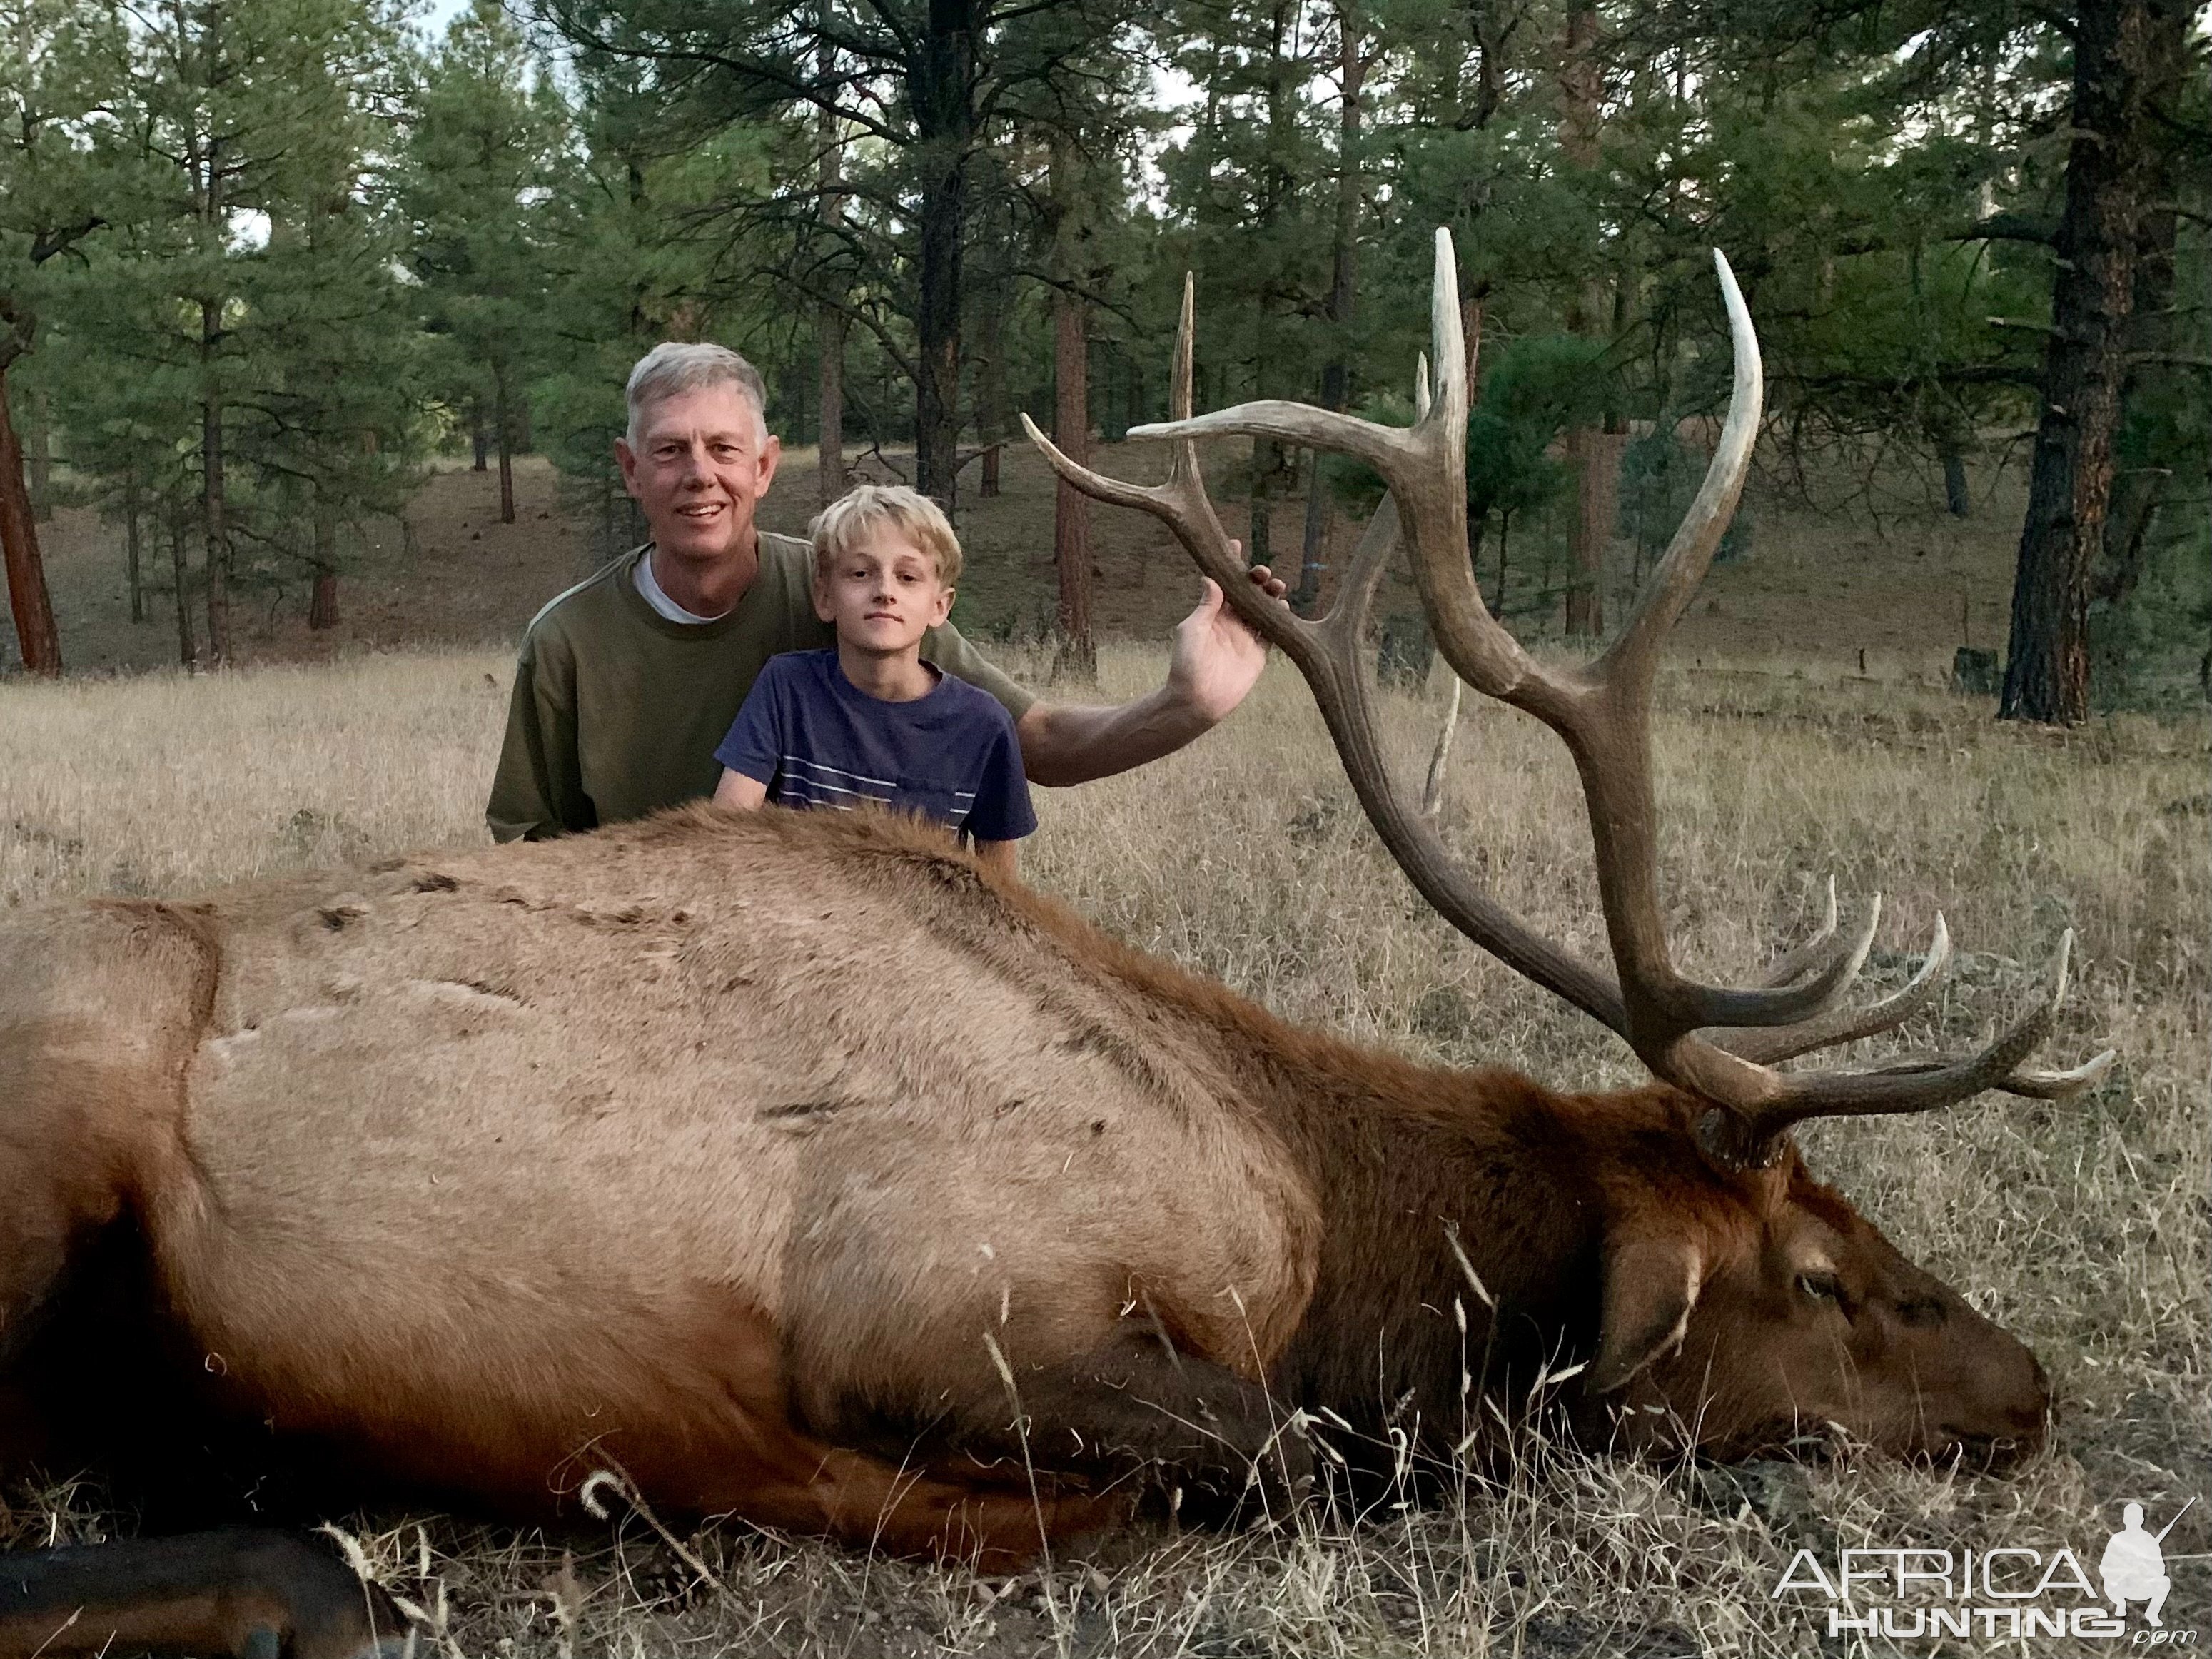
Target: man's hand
(1217,659)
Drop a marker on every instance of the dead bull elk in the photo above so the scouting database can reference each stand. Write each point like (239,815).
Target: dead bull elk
(798,1171)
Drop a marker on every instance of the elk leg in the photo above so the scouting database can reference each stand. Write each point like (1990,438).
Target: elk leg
(255,1594)
(1137,1408)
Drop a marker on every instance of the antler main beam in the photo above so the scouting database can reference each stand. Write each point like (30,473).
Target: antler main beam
(1602,710)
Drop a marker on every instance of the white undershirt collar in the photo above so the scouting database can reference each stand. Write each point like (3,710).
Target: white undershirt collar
(657,597)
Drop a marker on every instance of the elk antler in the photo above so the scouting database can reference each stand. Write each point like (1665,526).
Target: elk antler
(1602,710)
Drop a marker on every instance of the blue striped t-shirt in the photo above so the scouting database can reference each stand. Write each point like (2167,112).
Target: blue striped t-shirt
(816,739)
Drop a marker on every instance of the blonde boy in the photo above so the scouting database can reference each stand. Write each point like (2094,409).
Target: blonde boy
(869,722)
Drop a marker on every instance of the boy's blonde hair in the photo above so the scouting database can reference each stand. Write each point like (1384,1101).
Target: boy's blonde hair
(846,524)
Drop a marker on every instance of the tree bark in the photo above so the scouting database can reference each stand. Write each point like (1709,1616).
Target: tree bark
(33,610)
(942,91)
(503,431)
(479,438)
(1343,290)
(188,649)
(2092,293)
(1071,523)
(323,605)
(1071,416)
(991,400)
(1956,502)
(2138,495)
(1582,86)
(1259,530)
(830,320)
(39,454)
(133,552)
(215,531)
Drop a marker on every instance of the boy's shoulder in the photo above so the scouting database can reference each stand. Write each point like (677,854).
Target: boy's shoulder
(799,664)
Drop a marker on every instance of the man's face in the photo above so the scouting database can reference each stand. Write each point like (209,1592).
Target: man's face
(883,596)
(702,462)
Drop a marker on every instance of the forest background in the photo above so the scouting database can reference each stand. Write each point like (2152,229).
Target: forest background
(264,262)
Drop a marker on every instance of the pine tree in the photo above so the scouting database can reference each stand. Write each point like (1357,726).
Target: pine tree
(487,130)
(61,179)
(253,289)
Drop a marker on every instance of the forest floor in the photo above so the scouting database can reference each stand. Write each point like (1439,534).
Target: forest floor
(1878,579)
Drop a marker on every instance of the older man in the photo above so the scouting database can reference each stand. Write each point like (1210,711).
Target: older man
(627,681)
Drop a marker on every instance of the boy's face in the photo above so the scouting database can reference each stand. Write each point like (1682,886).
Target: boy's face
(883,596)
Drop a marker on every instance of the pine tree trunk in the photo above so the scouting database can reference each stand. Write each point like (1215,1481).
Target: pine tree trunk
(830,320)
(1259,534)
(133,552)
(40,455)
(479,438)
(323,605)
(188,649)
(1955,499)
(2152,377)
(991,400)
(1343,293)
(215,531)
(1595,455)
(942,90)
(1071,524)
(2092,292)
(503,430)
(1071,400)
(36,637)
(1581,86)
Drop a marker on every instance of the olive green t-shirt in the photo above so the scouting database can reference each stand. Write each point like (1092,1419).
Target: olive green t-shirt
(618,710)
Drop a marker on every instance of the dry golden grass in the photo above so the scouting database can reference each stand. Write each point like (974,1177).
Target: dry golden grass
(2082,1227)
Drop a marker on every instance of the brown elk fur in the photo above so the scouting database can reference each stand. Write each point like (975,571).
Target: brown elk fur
(772,1159)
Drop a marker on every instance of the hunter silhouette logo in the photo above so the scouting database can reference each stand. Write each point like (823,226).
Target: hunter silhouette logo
(2133,1566)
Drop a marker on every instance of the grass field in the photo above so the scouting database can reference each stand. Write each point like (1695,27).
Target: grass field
(2084,1228)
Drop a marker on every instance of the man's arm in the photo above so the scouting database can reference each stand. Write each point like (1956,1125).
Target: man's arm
(1217,660)
(537,791)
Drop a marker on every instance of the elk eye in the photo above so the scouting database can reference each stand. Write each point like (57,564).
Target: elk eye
(1821,1287)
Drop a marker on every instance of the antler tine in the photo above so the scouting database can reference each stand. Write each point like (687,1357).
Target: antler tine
(1768,1048)
(2059,1085)
(1753,1136)
(1330,652)
(1345,619)
(1602,712)
(1792,963)
(1634,655)
(1182,505)
(1424,465)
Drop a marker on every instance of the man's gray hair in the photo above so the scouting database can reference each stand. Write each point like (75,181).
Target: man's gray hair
(677,366)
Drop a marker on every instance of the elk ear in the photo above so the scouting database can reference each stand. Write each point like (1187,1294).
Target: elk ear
(1650,1285)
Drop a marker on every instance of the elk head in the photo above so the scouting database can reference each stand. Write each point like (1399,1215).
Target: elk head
(1742,1303)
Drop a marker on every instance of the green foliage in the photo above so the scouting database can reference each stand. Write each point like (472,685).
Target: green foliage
(484,152)
(404,238)
(1532,390)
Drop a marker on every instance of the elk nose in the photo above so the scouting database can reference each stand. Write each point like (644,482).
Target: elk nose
(2015,1419)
